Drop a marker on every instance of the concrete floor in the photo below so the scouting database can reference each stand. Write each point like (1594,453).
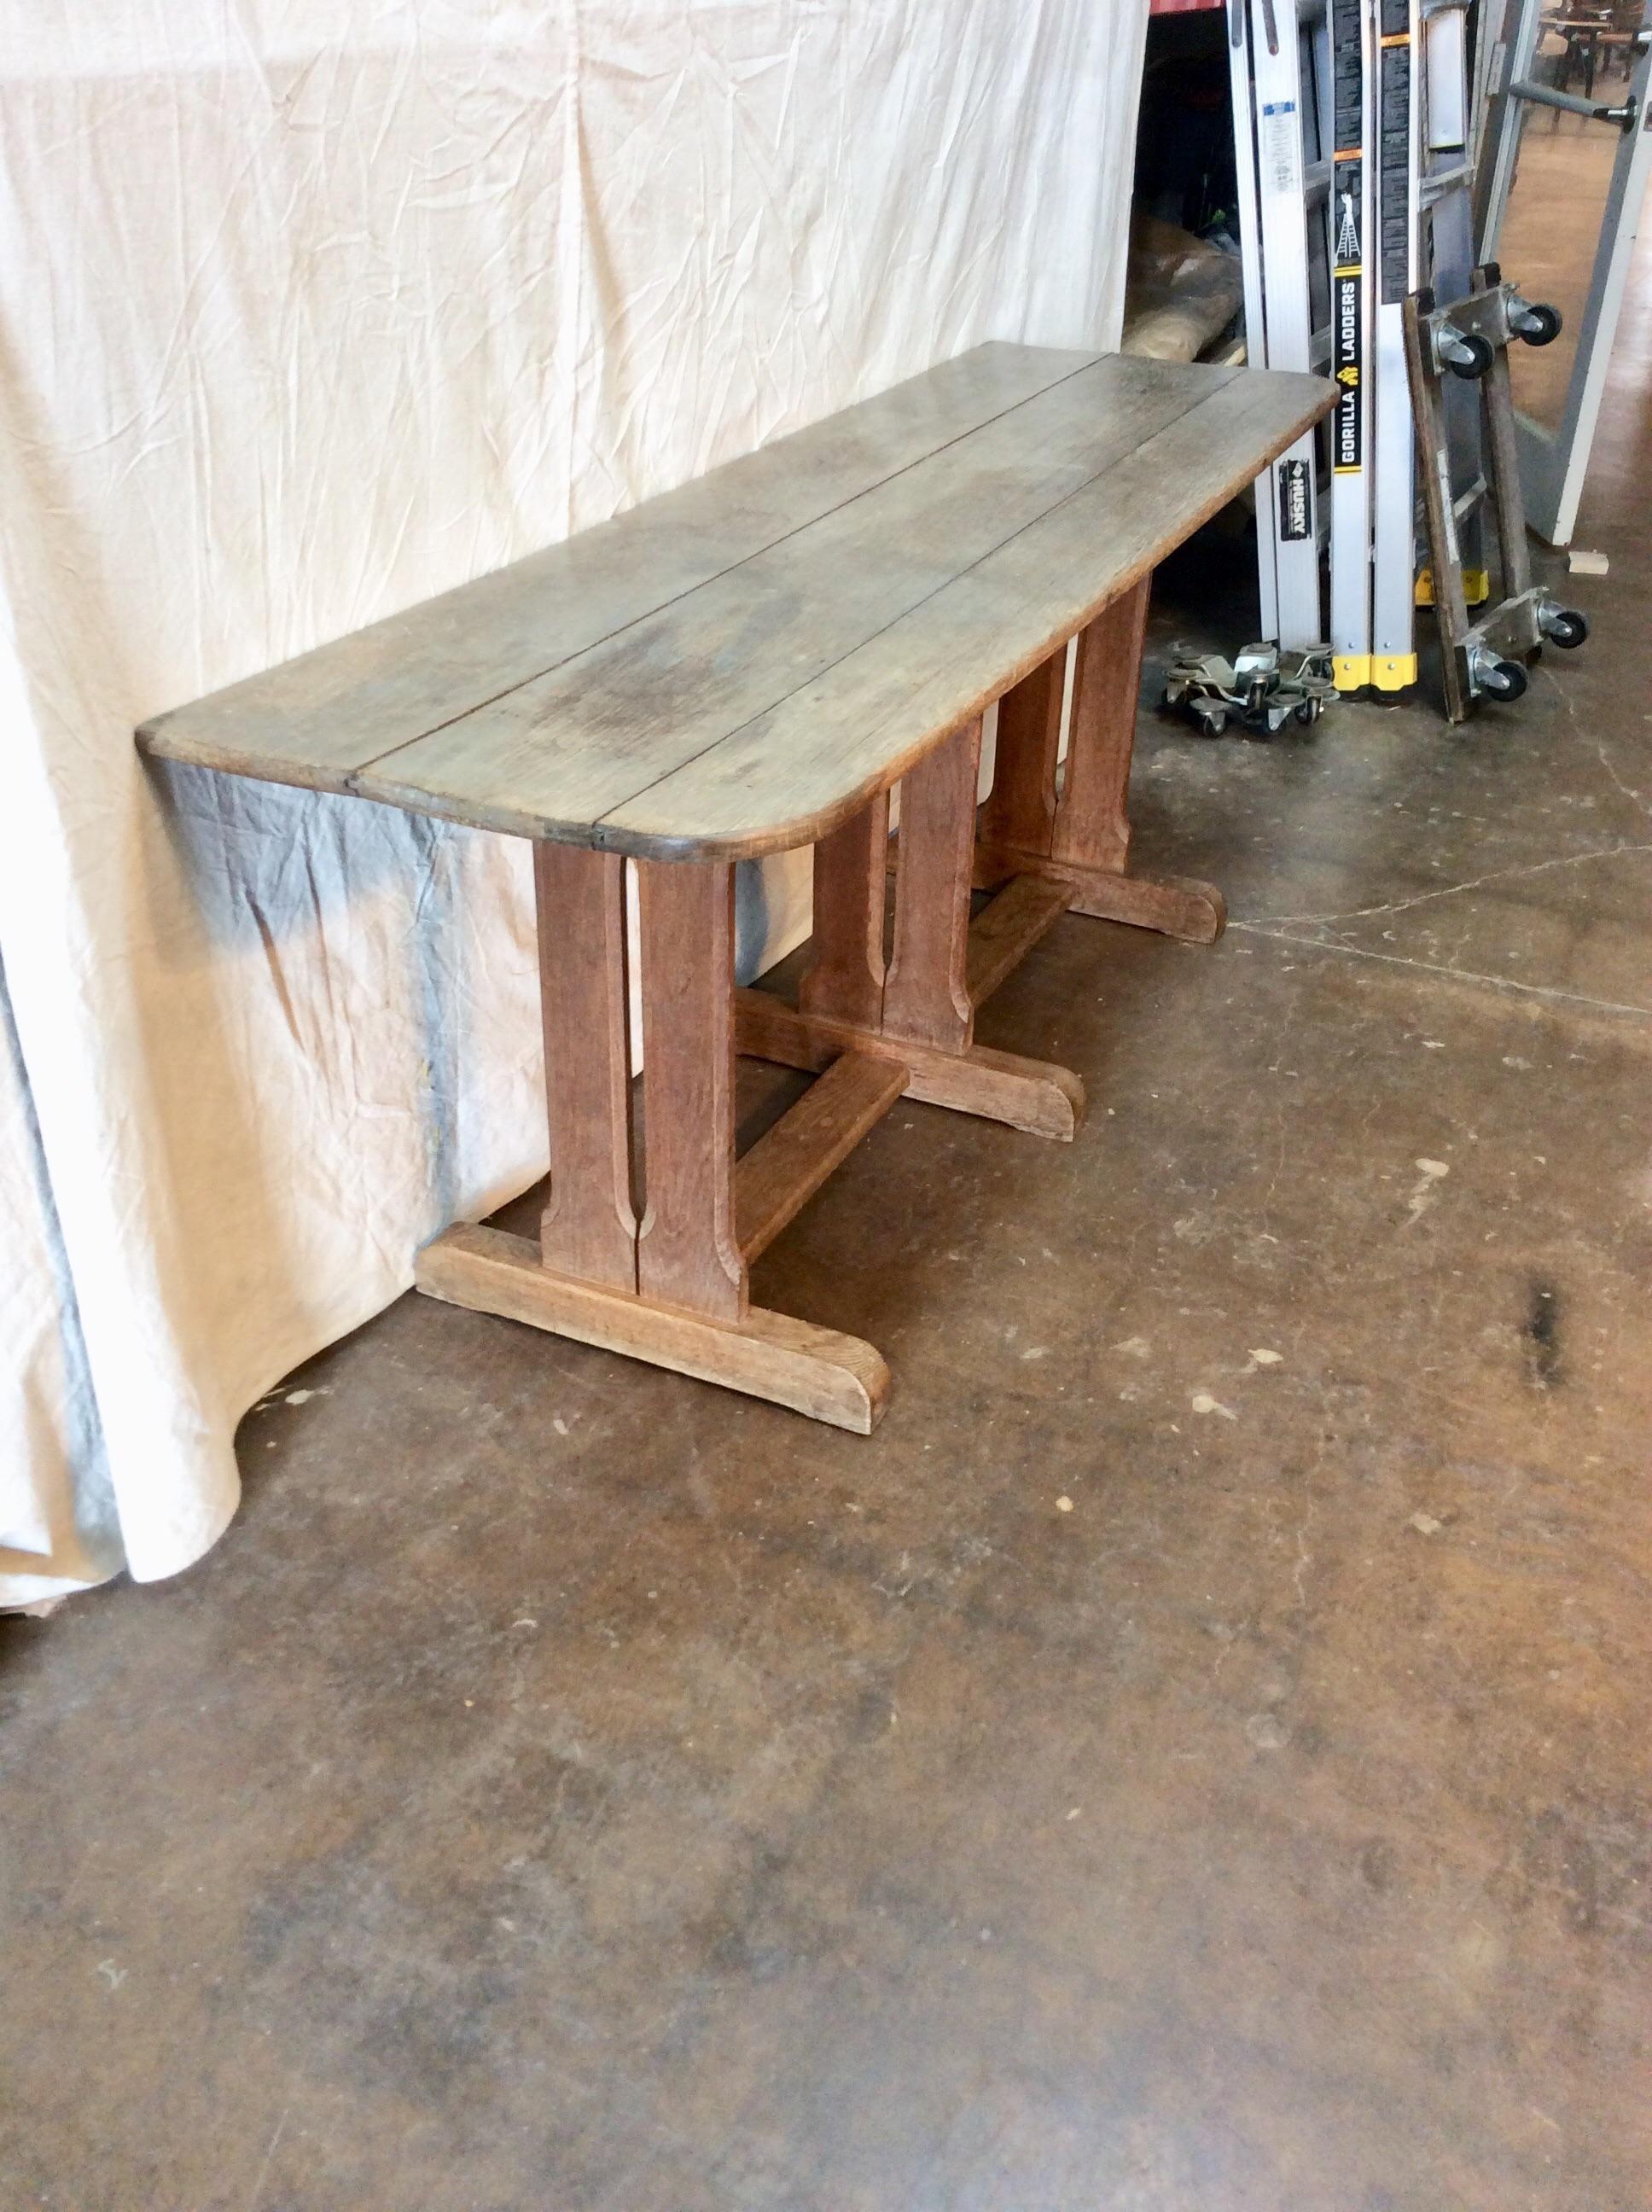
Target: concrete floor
(570,1787)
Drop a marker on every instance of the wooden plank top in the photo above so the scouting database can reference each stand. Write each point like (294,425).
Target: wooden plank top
(734,666)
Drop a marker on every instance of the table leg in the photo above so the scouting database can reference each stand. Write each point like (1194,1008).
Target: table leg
(687,1254)
(1090,837)
(926,991)
(919,1018)
(1092,829)
(1019,812)
(673,1291)
(589,1228)
(845,977)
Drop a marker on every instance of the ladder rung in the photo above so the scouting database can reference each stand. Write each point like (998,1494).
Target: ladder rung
(1466,502)
(1462,506)
(1315,180)
(1430,190)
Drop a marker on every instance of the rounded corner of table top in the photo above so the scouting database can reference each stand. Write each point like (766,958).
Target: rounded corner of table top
(713,842)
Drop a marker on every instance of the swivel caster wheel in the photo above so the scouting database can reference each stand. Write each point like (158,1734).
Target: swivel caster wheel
(1536,322)
(1465,353)
(1564,626)
(1501,679)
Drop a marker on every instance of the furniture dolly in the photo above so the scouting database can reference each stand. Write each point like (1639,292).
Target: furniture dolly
(750,663)
(1486,656)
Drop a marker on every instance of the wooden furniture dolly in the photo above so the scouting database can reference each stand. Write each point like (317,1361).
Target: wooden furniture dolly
(750,663)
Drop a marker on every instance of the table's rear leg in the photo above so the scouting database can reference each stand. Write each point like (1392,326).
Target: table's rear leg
(1092,828)
(1090,833)
(921,1016)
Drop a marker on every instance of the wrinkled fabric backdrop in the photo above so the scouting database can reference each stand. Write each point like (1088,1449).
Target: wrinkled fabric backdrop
(310,309)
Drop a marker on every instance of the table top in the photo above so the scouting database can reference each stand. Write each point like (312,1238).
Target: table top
(732,667)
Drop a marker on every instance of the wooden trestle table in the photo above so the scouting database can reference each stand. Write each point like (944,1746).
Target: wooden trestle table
(753,662)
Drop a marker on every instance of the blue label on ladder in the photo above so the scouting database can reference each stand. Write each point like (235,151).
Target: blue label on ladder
(1280,158)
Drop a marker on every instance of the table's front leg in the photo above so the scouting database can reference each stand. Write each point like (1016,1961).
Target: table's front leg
(1092,828)
(844,981)
(687,1254)
(589,1228)
(927,992)
(672,1290)
(1018,813)
(1082,834)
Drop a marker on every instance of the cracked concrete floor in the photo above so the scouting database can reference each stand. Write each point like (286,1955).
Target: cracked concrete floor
(570,1787)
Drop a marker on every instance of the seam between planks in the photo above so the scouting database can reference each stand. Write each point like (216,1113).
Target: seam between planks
(364,768)
(1038,520)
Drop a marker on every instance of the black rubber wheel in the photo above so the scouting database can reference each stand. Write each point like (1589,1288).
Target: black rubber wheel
(1306,712)
(1566,627)
(1548,320)
(1482,353)
(1504,679)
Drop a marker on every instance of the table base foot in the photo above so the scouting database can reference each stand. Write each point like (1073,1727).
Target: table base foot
(818,1371)
(1033,1095)
(1176,906)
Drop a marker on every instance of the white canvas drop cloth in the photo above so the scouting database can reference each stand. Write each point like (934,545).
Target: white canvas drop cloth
(310,309)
